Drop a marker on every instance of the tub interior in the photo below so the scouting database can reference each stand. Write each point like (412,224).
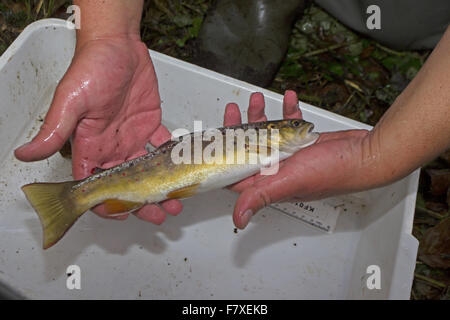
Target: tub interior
(198,254)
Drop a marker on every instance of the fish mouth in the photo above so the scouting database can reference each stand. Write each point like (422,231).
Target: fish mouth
(308,129)
(309,137)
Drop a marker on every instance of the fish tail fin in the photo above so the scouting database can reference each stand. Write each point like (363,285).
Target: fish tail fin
(55,208)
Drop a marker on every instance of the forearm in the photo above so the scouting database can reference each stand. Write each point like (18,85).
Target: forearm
(109,18)
(416,128)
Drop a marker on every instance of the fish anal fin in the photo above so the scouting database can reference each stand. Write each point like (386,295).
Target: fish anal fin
(113,206)
(184,192)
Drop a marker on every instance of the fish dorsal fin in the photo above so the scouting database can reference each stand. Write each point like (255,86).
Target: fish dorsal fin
(149,148)
(184,192)
(113,206)
(97,170)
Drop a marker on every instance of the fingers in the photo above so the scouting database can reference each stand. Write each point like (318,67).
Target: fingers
(156,213)
(255,111)
(256,108)
(290,106)
(101,211)
(263,192)
(250,201)
(160,136)
(151,213)
(59,123)
(232,115)
(312,172)
(172,207)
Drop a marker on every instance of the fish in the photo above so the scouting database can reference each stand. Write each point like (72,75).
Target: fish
(166,172)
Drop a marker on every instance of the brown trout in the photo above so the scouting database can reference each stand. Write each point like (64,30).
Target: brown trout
(156,176)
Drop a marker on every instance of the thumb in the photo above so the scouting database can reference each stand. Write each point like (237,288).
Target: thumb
(59,123)
(263,193)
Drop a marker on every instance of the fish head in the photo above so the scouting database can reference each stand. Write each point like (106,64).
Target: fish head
(292,134)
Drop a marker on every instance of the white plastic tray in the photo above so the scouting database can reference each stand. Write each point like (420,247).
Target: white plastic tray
(196,255)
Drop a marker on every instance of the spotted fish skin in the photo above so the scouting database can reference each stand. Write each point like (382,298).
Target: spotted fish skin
(155,177)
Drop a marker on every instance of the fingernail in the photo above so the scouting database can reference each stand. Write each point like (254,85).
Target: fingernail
(245,218)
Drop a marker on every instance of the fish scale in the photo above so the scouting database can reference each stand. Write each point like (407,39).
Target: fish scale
(155,176)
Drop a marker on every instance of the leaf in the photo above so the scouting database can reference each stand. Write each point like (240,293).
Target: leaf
(434,249)
(425,292)
(420,201)
(181,42)
(291,70)
(390,62)
(336,68)
(378,54)
(355,49)
(195,28)
(372,76)
(440,181)
(182,21)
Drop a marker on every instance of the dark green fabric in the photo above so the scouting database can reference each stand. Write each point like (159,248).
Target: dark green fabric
(405,24)
(247,39)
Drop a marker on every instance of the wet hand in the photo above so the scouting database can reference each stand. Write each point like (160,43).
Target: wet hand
(318,171)
(108,102)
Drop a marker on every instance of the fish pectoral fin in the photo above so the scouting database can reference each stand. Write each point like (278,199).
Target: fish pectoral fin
(184,192)
(113,206)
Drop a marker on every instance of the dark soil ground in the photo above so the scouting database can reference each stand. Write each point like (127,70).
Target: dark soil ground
(329,66)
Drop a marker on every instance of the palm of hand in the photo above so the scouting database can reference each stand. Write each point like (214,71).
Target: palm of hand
(108,101)
(120,106)
(311,173)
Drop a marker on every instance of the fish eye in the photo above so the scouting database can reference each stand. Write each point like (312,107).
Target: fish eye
(295,123)
(271,126)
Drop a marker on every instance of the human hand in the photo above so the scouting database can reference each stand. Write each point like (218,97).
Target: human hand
(108,101)
(323,169)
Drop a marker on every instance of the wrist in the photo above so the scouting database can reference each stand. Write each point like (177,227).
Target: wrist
(380,165)
(88,36)
(359,161)
(109,19)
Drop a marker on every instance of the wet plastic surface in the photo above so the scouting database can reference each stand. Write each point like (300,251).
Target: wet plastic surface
(197,255)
